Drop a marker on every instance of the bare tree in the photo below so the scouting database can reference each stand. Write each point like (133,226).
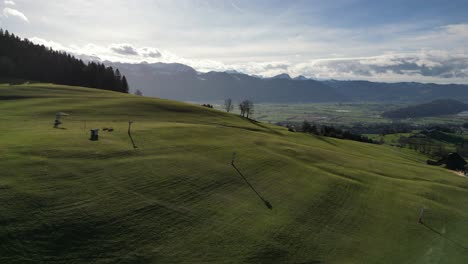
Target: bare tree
(246,108)
(228,106)
(250,108)
(138,92)
(242,108)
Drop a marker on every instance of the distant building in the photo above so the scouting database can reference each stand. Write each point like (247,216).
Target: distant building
(453,161)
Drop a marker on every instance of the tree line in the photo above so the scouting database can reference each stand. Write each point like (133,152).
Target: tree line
(22,59)
(423,145)
(329,131)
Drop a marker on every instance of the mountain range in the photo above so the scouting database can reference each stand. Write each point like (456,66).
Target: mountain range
(181,82)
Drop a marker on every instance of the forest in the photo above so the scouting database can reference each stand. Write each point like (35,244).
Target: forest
(21,59)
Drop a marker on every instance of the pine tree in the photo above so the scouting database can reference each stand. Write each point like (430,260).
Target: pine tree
(124,85)
(22,59)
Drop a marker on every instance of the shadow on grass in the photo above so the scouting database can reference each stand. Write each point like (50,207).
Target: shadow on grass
(130,134)
(267,203)
(13,97)
(445,237)
(324,139)
(264,127)
(133,142)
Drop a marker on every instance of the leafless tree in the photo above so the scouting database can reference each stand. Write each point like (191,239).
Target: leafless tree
(228,106)
(242,108)
(138,92)
(250,108)
(247,108)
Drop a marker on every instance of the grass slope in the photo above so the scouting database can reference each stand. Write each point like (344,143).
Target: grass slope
(176,199)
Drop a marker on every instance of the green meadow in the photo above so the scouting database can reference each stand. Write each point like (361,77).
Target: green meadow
(177,199)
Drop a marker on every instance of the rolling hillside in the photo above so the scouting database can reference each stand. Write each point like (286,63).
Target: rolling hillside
(176,198)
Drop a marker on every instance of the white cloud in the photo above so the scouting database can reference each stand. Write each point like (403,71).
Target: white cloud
(150,52)
(10,12)
(218,35)
(9,2)
(433,66)
(121,52)
(425,65)
(51,44)
(131,50)
(124,49)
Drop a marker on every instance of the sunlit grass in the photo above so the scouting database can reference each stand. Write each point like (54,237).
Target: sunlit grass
(176,199)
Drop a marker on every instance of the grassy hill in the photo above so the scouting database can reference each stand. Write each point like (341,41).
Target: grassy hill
(176,199)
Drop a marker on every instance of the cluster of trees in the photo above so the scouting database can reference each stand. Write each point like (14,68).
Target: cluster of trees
(434,140)
(22,59)
(462,149)
(246,107)
(330,131)
(423,145)
(382,128)
(208,105)
(449,137)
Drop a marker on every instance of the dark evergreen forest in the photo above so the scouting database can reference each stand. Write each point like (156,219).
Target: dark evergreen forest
(22,59)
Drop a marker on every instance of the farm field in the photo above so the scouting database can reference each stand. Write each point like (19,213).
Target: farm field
(177,199)
(340,113)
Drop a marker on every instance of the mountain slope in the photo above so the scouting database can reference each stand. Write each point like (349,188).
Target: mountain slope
(167,82)
(176,199)
(181,82)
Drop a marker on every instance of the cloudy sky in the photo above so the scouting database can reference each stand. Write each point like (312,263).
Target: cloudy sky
(399,40)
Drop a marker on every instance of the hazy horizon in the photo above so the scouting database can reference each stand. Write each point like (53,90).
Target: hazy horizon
(421,41)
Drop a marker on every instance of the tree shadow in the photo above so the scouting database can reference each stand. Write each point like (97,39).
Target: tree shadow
(267,203)
(322,138)
(130,134)
(445,237)
(259,124)
(133,142)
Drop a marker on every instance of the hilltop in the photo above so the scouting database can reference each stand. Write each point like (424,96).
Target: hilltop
(177,199)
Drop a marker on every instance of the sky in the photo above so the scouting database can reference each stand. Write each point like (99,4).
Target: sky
(389,41)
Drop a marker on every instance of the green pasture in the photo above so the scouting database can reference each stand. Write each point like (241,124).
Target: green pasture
(177,199)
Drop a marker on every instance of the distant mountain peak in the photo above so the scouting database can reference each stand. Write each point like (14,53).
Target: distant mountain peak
(282,76)
(182,82)
(175,67)
(233,72)
(301,78)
